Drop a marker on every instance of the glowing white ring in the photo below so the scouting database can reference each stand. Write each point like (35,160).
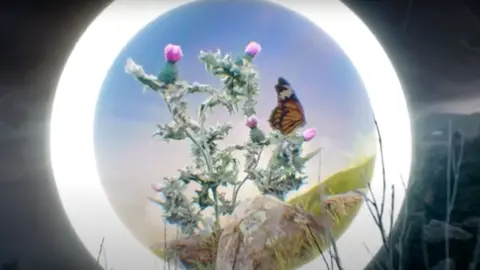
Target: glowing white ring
(72,148)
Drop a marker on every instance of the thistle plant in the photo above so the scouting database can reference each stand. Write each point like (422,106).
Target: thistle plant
(214,166)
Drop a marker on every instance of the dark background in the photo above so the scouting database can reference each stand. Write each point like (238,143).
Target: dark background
(435,47)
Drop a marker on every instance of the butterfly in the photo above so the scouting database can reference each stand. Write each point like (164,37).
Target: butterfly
(288,115)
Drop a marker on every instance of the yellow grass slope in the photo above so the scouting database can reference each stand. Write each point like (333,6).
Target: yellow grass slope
(348,180)
(344,206)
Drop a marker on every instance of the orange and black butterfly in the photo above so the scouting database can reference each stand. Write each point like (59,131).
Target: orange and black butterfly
(288,115)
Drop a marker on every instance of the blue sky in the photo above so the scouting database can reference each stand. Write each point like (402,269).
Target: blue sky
(327,84)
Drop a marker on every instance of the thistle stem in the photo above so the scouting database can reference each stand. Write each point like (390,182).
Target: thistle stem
(205,154)
(216,210)
(237,189)
(208,161)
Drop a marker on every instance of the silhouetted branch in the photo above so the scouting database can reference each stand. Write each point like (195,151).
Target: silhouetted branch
(377,208)
(335,254)
(100,251)
(453,169)
(318,246)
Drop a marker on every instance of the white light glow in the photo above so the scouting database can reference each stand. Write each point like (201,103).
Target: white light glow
(72,146)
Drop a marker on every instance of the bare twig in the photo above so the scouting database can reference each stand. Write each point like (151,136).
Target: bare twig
(424,247)
(449,175)
(453,169)
(392,205)
(405,230)
(457,162)
(377,263)
(105,260)
(382,159)
(100,251)
(336,255)
(367,249)
(318,246)
(332,258)
(409,15)
(390,239)
(333,250)
(476,252)
(377,208)
(373,208)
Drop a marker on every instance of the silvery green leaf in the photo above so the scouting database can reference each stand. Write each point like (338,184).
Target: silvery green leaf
(310,155)
(198,88)
(249,107)
(218,99)
(179,111)
(209,58)
(227,63)
(146,79)
(175,95)
(171,132)
(190,174)
(275,137)
(219,131)
(193,125)
(235,71)
(203,199)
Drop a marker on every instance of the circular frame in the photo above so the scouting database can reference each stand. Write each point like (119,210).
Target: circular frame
(72,123)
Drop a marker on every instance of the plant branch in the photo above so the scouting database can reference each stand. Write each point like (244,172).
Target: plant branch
(382,159)
(318,246)
(208,161)
(404,231)
(447,202)
(237,189)
(392,209)
(335,254)
(100,251)
(377,210)
(453,169)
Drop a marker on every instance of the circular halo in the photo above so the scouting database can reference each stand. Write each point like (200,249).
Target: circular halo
(71,134)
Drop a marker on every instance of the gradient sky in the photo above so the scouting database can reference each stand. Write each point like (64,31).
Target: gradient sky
(327,84)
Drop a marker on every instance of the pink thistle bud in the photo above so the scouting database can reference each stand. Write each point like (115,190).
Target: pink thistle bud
(252,49)
(157,187)
(173,53)
(309,134)
(252,122)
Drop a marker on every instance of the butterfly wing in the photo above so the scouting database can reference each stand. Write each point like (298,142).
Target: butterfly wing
(275,116)
(288,115)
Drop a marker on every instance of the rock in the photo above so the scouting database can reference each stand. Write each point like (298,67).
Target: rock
(284,237)
(190,252)
(266,231)
(434,232)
